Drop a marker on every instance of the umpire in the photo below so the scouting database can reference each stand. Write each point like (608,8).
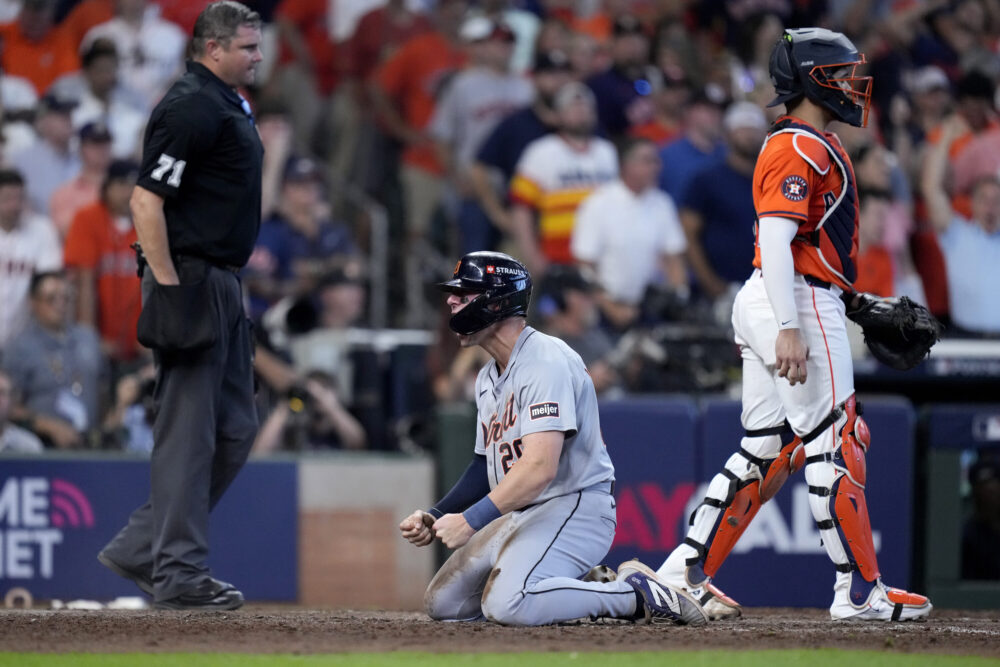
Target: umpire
(197,212)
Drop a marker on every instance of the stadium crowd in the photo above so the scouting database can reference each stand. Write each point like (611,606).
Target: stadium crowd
(608,144)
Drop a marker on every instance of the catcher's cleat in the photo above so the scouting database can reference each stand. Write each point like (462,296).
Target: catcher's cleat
(696,583)
(661,603)
(882,604)
(602,574)
(143,580)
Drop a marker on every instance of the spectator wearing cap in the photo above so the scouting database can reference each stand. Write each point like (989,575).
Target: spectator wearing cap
(981,532)
(717,206)
(28,244)
(497,157)
(85,188)
(971,244)
(475,101)
(624,90)
(101,98)
(150,49)
(525,25)
(56,365)
(700,144)
(53,159)
(100,263)
(567,308)
(34,48)
(553,177)
(300,243)
(628,234)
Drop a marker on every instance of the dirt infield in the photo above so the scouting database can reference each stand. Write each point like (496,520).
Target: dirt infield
(266,629)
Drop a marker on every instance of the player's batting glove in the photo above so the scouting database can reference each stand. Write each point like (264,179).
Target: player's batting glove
(899,332)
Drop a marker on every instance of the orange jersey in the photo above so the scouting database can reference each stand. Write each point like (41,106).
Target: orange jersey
(94,243)
(805,175)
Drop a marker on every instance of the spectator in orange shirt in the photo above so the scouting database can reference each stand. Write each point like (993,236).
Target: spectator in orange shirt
(974,103)
(404,92)
(101,263)
(34,48)
(875,274)
(95,156)
(84,16)
(309,68)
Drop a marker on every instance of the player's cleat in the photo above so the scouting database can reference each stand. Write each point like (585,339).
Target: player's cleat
(661,602)
(143,580)
(881,604)
(693,579)
(602,574)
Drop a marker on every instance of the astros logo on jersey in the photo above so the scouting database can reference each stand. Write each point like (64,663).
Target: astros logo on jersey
(794,188)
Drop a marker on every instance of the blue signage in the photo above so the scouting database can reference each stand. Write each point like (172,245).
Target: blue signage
(56,514)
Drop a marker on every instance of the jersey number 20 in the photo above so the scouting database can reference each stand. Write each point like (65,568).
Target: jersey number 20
(509,453)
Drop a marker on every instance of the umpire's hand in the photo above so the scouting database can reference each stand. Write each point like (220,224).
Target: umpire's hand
(417,528)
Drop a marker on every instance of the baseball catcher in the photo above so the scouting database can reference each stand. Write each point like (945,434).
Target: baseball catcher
(799,408)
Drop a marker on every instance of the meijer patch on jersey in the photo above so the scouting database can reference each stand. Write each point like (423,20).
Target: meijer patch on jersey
(542,410)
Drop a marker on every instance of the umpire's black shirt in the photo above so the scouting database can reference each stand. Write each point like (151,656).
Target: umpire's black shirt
(202,154)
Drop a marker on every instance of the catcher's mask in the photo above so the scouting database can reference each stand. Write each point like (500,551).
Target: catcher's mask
(501,284)
(821,65)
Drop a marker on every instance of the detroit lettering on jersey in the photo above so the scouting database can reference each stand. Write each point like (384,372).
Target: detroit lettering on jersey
(544,388)
(495,430)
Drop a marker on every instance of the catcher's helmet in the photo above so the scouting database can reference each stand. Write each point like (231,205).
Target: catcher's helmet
(502,286)
(821,65)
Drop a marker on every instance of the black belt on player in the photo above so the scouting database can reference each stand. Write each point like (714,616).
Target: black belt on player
(816,282)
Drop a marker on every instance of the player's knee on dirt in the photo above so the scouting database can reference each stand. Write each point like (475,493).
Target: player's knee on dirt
(443,601)
(499,606)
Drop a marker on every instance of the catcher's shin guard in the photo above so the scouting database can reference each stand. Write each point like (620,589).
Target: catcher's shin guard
(747,501)
(836,474)
(751,476)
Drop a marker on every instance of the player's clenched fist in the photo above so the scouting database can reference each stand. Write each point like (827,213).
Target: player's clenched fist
(417,528)
(453,530)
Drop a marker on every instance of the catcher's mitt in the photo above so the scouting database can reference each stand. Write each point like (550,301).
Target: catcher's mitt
(899,332)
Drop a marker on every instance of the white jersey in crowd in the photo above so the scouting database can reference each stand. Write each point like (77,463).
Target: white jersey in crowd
(32,246)
(545,387)
(474,103)
(150,57)
(625,234)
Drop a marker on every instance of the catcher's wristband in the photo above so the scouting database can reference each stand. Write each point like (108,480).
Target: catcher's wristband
(481,513)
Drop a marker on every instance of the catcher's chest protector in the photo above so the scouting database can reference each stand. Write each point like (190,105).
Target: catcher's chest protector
(834,236)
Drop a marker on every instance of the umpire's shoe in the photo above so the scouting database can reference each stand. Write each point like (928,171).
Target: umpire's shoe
(210,595)
(661,603)
(143,580)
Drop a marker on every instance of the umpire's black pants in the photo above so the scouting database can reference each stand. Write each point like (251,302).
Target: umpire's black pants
(203,431)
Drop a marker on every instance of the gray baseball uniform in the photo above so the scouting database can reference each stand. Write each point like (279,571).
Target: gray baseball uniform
(525,567)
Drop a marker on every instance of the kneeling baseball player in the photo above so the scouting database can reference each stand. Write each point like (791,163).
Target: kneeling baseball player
(799,407)
(533,512)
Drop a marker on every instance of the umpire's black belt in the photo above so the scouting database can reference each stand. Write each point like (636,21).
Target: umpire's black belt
(219,265)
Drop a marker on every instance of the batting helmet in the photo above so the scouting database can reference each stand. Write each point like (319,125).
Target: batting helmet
(821,65)
(502,286)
